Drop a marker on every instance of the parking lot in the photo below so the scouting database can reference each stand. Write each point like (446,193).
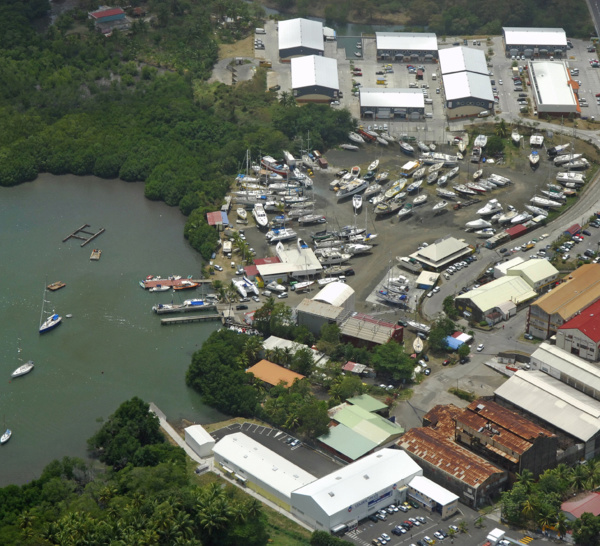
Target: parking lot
(311,461)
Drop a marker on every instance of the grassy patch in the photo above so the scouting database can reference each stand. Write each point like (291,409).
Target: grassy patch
(211,427)
(463,395)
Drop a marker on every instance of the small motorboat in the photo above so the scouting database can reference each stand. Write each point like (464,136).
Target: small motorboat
(478,174)
(516,137)
(159,288)
(357,201)
(242,214)
(373,166)
(355,172)
(405,211)
(462,147)
(357,54)
(22,370)
(440,206)
(431,178)
(186,285)
(355,137)
(407,148)
(420,199)
(534,158)
(6,436)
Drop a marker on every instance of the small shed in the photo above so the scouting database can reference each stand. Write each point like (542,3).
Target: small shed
(453,343)
(199,440)
(573,230)
(427,280)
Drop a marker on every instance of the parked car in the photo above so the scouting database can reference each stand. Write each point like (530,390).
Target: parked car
(586,232)
(480,347)
(218,267)
(446,362)
(528,336)
(427,371)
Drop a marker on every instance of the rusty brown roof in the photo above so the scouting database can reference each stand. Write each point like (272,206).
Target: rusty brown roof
(509,420)
(442,418)
(273,374)
(433,447)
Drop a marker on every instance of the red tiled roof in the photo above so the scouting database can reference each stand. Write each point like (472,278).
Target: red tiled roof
(575,228)
(267,260)
(106,13)
(587,322)
(214,218)
(251,270)
(589,503)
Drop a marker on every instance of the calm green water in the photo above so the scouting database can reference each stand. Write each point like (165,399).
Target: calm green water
(114,346)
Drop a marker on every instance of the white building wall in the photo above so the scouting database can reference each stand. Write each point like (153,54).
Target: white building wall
(576,342)
(199,440)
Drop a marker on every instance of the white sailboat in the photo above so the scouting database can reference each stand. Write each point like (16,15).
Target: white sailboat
(438,207)
(420,199)
(374,165)
(515,136)
(357,201)
(52,321)
(242,214)
(24,368)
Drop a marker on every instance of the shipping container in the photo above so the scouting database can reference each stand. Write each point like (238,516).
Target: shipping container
(322,163)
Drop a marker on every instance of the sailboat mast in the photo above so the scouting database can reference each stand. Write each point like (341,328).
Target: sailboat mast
(43,303)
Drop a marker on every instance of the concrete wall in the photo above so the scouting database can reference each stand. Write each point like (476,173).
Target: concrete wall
(577,343)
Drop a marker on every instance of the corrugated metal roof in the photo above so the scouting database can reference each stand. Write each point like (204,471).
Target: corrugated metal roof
(550,80)
(441,250)
(566,364)
(494,293)
(368,329)
(536,270)
(314,70)
(347,442)
(262,463)
(515,231)
(505,266)
(300,33)
(372,97)
(101,13)
(464,85)
(587,322)
(274,342)
(273,374)
(335,293)
(435,448)
(199,434)
(320,309)
(367,402)
(442,419)
(534,36)
(410,41)
(578,291)
(554,402)
(588,502)
(460,59)
(214,218)
(433,491)
(360,480)
(370,425)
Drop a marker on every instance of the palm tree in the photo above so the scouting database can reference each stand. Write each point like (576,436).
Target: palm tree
(578,477)
(525,478)
(252,348)
(530,508)
(546,517)
(501,129)
(562,524)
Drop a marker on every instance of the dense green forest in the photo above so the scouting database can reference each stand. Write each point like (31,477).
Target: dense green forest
(137,105)
(451,17)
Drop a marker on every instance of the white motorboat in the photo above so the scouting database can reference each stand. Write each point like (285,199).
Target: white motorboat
(400,280)
(453,172)
(373,189)
(419,173)
(499,180)
(442,181)
(414,186)
(440,206)
(536,210)
(476,187)
(276,287)
(420,199)
(515,136)
(507,216)
(242,214)
(432,158)
(302,286)
(405,211)
(480,141)
(423,147)
(478,224)
(160,288)
(485,233)
(349,147)
(570,177)
(492,207)
(327,280)
(521,217)
(558,150)
(443,192)
(335,258)
(357,54)
(357,201)
(407,148)
(374,165)
(354,172)
(556,195)
(351,188)
(382,177)
(478,174)
(382,140)
(475,154)
(355,137)
(566,158)
(6,436)
(577,164)
(544,202)
(494,219)
(278,235)
(357,248)
(534,158)
(462,146)
(435,167)
(431,178)
(260,215)
(312,219)
(536,140)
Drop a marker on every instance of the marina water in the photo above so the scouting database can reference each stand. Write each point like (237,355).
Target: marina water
(113,347)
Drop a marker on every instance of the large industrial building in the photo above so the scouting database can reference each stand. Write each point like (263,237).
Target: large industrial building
(577,291)
(315,314)
(503,296)
(538,273)
(298,37)
(432,496)
(462,59)
(560,407)
(554,92)
(273,374)
(315,79)
(442,253)
(292,261)
(379,103)
(338,294)
(467,94)
(581,335)
(406,46)
(365,331)
(534,42)
(259,468)
(356,491)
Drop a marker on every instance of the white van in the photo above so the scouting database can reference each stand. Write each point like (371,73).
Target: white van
(429,115)
(260,31)
(484,114)
(428,101)
(434,77)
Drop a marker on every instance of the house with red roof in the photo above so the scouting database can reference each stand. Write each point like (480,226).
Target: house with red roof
(586,502)
(581,335)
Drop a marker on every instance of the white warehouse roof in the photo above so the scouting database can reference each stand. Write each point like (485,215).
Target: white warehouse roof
(416,41)
(314,70)
(335,293)
(301,32)
(360,480)
(460,59)
(554,402)
(550,81)
(463,85)
(199,434)
(262,463)
(432,490)
(534,36)
(372,97)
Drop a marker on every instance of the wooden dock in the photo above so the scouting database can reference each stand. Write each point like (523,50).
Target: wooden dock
(90,235)
(185,320)
(56,286)
(96,254)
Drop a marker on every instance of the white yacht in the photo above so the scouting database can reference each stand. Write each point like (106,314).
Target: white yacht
(492,207)
(478,224)
(260,215)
